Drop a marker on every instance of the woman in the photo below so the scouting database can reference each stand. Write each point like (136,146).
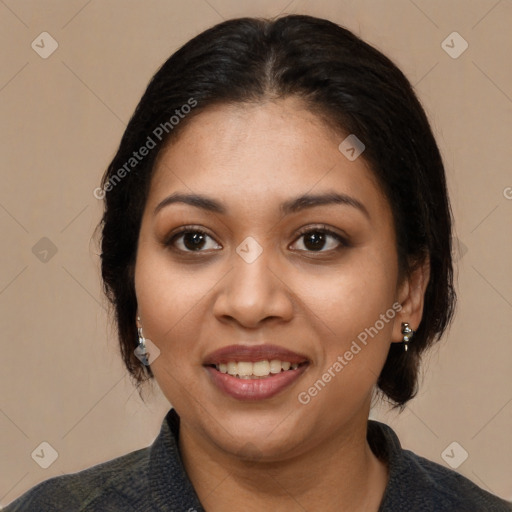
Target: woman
(276,243)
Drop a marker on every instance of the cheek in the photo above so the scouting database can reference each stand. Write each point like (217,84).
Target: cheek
(171,301)
(353,309)
(352,297)
(169,304)
(356,318)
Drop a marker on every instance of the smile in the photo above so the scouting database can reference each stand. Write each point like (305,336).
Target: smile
(240,380)
(255,370)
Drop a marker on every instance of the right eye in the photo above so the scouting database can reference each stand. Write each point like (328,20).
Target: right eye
(190,238)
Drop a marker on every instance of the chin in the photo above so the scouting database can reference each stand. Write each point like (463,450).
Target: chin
(258,434)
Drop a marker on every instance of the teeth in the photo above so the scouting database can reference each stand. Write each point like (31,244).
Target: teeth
(275,366)
(249,370)
(260,369)
(244,369)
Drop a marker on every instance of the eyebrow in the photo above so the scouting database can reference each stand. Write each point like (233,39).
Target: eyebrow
(290,206)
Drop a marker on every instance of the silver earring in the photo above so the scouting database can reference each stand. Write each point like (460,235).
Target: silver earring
(408,333)
(141,351)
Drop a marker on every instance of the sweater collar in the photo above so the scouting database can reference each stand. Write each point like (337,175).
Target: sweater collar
(171,489)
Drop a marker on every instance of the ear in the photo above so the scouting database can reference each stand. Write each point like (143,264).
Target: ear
(411,296)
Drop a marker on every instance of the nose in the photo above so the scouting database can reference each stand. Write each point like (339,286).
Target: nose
(254,292)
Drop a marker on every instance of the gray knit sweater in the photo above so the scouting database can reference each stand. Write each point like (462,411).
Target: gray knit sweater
(153,479)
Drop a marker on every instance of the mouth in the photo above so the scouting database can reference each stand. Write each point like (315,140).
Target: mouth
(254,372)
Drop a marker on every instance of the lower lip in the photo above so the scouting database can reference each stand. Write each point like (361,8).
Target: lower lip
(255,389)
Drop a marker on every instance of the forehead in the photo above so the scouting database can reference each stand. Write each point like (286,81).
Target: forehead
(259,154)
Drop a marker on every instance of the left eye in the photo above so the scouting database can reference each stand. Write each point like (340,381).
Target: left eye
(315,239)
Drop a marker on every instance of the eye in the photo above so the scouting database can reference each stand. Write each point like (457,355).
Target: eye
(315,239)
(191,239)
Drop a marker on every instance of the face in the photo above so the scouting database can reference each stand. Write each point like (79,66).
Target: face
(315,278)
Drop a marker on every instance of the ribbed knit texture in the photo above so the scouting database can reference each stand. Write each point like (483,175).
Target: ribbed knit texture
(153,479)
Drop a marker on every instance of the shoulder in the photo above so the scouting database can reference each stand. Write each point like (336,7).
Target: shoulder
(445,489)
(144,480)
(110,485)
(416,483)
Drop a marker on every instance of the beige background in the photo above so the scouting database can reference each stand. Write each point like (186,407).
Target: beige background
(61,378)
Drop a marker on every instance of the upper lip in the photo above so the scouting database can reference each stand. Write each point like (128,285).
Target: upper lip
(253,353)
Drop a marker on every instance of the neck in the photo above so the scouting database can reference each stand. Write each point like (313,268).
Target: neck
(339,474)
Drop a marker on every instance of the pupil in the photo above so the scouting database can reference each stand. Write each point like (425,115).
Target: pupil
(317,238)
(196,239)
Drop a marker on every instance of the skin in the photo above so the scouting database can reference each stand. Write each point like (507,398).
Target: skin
(277,453)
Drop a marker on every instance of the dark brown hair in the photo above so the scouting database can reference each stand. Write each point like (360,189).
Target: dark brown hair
(347,82)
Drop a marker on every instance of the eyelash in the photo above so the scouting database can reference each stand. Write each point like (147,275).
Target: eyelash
(321,228)
(169,242)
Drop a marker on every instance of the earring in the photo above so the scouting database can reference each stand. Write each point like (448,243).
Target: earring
(408,333)
(141,351)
